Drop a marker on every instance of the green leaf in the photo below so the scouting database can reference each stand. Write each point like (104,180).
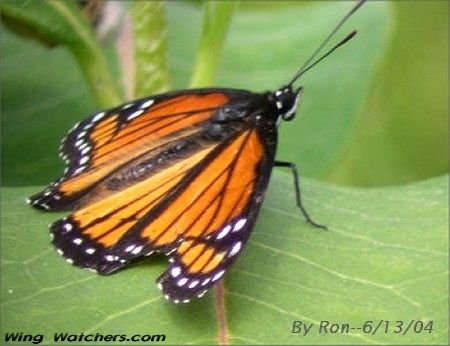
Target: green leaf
(43,21)
(404,135)
(37,108)
(150,45)
(61,23)
(385,256)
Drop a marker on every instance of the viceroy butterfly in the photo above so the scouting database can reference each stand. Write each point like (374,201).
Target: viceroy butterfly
(183,173)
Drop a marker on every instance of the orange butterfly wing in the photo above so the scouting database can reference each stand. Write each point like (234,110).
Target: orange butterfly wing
(190,190)
(102,144)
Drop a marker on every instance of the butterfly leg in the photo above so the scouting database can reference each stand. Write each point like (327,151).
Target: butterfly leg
(295,175)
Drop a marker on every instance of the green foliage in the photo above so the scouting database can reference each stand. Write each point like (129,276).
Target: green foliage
(61,23)
(404,134)
(384,257)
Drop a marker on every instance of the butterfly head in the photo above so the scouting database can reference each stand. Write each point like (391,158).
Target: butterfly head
(286,101)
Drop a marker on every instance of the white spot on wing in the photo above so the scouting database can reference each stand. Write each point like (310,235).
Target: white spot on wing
(128,105)
(83,160)
(98,116)
(137,250)
(236,248)
(182,281)
(81,134)
(224,232)
(68,227)
(238,226)
(147,104)
(90,250)
(78,170)
(129,248)
(135,114)
(218,275)
(175,271)
(74,127)
(202,294)
(193,284)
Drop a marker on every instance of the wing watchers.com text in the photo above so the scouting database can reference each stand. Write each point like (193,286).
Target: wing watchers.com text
(22,338)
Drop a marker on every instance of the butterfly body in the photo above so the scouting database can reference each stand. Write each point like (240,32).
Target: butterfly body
(182,173)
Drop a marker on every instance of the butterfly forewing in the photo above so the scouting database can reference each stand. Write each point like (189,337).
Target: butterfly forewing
(129,135)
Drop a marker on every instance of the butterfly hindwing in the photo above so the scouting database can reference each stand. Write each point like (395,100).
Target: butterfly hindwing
(198,264)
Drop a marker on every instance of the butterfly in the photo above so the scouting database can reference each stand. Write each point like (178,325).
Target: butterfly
(182,173)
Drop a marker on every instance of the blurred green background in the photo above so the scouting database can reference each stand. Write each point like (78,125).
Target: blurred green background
(374,113)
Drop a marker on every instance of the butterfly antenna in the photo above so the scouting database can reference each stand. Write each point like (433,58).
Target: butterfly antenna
(306,66)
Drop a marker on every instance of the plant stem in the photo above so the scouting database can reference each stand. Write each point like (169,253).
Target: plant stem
(216,21)
(96,73)
(91,60)
(150,45)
